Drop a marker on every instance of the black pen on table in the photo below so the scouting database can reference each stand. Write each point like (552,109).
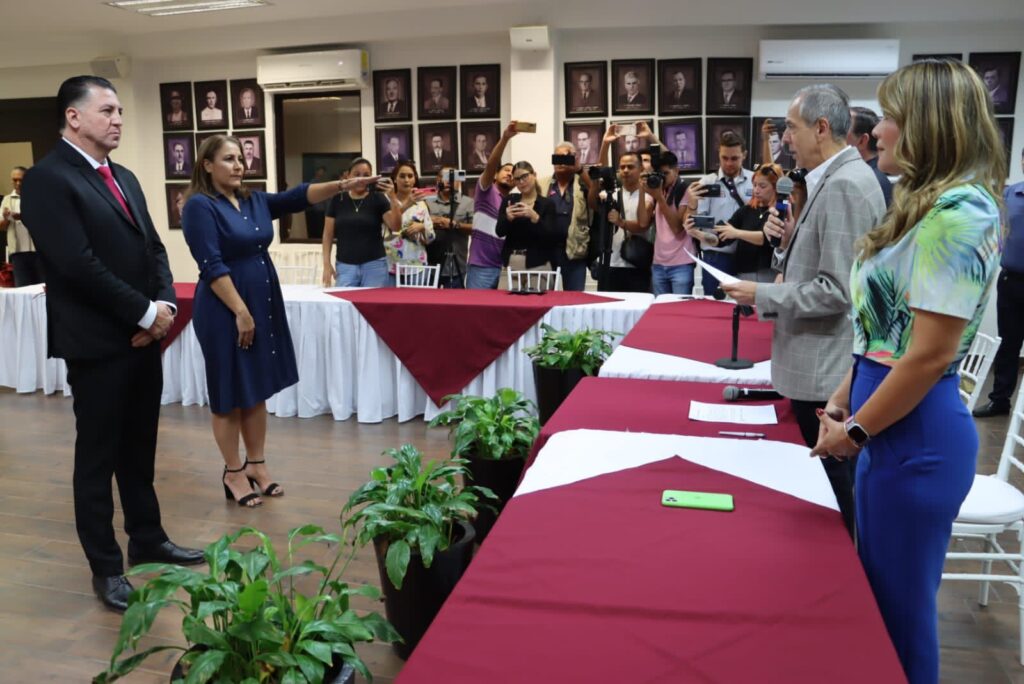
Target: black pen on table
(749,435)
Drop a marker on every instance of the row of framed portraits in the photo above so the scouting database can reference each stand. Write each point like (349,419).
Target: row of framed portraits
(180,152)
(673,87)
(999,71)
(175,195)
(213,108)
(474,90)
(438,145)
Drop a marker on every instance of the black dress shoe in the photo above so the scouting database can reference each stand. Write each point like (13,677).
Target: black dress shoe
(113,591)
(991,409)
(166,552)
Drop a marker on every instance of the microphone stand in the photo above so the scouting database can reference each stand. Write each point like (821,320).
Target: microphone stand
(450,264)
(733,362)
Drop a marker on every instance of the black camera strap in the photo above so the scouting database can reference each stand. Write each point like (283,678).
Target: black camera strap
(731,187)
(622,210)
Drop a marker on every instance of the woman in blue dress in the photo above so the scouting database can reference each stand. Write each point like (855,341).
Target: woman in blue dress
(238,314)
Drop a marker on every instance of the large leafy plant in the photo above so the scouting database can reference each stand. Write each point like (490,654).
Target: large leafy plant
(500,427)
(413,506)
(563,349)
(245,622)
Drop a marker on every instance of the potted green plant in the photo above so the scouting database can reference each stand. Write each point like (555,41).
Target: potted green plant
(561,359)
(494,435)
(416,515)
(244,619)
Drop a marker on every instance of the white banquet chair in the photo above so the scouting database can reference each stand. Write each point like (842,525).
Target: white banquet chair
(540,281)
(417,275)
(975,366)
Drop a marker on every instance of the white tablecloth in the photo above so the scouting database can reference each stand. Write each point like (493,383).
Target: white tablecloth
(23,363)
(345,368)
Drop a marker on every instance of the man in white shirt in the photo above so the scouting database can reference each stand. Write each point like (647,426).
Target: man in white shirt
(211,112)
(21,251)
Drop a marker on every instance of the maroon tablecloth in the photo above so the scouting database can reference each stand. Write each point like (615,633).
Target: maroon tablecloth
(597,582)
(700,330)
(658,406)
(448,337)
(185,293)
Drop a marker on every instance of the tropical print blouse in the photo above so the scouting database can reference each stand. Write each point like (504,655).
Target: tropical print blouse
(945,264)
(403,250)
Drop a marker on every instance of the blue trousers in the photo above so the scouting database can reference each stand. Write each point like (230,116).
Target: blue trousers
(672,279)
(482,277)
(720,260)
(371,274)
(911,480)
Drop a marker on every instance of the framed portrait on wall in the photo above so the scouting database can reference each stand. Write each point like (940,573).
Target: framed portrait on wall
(959,56)
(715,129)
(627,142)
(439,146)
(394,144)
(679,86)
(729,81)
(201,136)
(436,92)
(1005,125)
(175,202)
(211,99)
(178,156)
(1000,72)
(633,86)
(779,153)
(247,104)
(586,89)
(481,91)
(478,139)
(392,91)
(176,106)
(254,148)
(683,138)
(586,136)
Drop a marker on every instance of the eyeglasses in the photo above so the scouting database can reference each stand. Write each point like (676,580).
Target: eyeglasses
(520,178)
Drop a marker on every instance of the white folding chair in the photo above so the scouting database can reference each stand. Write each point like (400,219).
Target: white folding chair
(540,281)
(993,507)
(975,366)
(296,275)
(417,275)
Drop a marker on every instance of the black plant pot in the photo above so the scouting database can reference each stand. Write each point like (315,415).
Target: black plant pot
(338,673)
(424,590)
(501,477)
(553,386)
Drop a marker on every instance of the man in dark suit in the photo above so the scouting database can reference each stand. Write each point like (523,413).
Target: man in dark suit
(392,103)
(477,101)
(247,109)
(109,300)
(253,164)
(632,97)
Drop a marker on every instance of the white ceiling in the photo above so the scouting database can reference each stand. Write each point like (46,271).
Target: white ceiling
(38,32)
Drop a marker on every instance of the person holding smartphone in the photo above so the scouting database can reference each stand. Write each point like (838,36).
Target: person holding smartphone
(353,220)
(408,244)
(567,190)
(527,222)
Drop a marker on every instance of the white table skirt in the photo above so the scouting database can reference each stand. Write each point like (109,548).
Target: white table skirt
(23,362)
(345,368)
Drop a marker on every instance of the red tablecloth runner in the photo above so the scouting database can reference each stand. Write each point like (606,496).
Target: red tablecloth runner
(447,337)
(658,406)
(597,582)
(699,330)
(185,294)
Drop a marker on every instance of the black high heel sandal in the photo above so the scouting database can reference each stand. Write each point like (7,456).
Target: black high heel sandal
(230,496)
(273,489)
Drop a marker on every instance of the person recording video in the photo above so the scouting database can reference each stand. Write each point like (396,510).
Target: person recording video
(451,236)
(567,190)
(526,220)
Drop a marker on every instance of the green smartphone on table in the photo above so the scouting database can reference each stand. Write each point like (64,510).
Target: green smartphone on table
(710,501)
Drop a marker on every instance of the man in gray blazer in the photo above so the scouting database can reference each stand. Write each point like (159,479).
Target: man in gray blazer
(812,340)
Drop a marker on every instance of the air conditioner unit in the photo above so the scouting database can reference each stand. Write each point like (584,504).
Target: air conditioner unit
(827,59)
(330,70)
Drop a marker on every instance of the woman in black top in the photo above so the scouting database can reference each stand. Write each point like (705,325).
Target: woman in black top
(753,252)
(527,221)
(357,216)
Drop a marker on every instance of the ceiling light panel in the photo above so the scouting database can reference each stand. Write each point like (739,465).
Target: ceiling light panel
(166,8)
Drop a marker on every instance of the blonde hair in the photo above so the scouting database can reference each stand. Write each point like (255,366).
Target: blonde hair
(948,137)
(201,183)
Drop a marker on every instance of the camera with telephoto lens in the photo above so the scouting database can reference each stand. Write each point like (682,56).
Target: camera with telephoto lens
(655,180)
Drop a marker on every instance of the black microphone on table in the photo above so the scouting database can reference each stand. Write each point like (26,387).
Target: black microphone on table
(783,189)
(734,393)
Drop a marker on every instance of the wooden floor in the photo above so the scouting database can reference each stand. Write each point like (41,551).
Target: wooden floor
(53,629)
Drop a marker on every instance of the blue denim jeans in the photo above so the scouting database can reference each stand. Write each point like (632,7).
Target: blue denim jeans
(721,261)
(371,274)
(574,272)
(482,277)
(672,279)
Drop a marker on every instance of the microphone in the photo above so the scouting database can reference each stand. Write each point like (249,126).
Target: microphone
(783,189)
(734,393)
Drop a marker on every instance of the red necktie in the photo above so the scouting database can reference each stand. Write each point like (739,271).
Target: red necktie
(108,178)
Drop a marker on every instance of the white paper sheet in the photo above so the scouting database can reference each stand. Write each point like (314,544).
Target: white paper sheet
(733,413)
(722,277)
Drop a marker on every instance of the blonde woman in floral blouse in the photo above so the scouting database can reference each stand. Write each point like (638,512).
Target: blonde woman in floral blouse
(408,245)
(919,288)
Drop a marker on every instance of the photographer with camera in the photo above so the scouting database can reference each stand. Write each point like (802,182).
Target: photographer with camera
(628,216)
(485,249)
(719,196)
(672,269)
(452,235)
(355,217)
(567,191)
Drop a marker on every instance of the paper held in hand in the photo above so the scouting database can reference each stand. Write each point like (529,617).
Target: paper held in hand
(732,413)
(722,277)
